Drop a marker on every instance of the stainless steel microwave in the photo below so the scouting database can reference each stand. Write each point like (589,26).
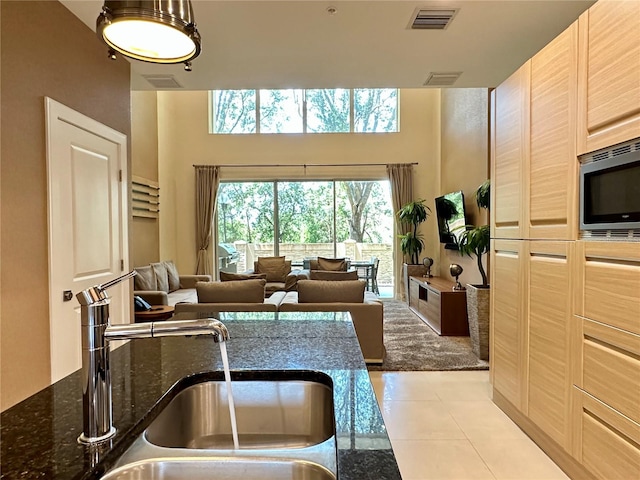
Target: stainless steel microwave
(610,193)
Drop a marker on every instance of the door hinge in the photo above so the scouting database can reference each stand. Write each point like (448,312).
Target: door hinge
(120,175)
(121,265)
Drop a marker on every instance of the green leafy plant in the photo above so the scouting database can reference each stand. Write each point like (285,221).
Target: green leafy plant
(476,240)
(411,243)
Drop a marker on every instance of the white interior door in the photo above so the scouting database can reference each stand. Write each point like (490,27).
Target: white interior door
(87,225)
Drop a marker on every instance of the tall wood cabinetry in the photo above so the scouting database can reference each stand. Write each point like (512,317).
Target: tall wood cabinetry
(565,313)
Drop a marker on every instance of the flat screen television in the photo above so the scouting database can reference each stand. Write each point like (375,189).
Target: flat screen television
(451,218)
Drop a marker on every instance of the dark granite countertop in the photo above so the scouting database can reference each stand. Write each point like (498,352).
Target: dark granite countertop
(39,435)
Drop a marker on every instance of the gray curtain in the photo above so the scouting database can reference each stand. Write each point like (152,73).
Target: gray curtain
(207,182)
(401,180)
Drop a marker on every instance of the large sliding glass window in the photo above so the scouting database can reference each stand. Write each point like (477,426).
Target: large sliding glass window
(306,219)
(245,216)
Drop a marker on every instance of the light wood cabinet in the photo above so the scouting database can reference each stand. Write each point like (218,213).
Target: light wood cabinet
(508,347)
(608,75)
(565,313)
(510,154)
(553,167)
(549,323)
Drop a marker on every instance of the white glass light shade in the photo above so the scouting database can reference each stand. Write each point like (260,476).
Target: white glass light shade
(158,31)
(149,41)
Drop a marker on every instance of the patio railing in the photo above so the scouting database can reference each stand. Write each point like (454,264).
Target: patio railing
(297,252)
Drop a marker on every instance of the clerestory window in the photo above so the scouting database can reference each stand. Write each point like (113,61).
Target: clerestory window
(338,110)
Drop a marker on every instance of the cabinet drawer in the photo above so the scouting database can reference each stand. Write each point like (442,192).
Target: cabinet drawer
(611,367)
(611,284)
(610,442)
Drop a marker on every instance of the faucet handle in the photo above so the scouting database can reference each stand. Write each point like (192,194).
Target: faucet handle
(97,293)
(115,281)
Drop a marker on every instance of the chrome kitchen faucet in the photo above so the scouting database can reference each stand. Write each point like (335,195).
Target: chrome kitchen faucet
(97,332)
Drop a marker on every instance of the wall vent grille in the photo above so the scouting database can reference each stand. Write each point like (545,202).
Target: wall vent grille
(432,18)
(443,79)
(163,82)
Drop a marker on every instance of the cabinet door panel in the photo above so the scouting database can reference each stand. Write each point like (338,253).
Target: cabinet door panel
(549,337)
(510,151)
(554,167)
(609,77)
(508,339)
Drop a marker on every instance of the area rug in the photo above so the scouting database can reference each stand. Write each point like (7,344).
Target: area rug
(412,345)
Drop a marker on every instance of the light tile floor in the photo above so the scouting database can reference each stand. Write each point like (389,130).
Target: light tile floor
(444,425)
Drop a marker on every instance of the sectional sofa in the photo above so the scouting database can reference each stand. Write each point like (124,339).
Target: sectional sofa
(160,284)
(311,296)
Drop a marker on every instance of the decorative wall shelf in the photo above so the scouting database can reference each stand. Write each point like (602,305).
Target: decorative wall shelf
(145,197)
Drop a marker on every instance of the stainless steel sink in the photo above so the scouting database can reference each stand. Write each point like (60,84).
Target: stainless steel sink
(221,468)
(286,430)
(270,414)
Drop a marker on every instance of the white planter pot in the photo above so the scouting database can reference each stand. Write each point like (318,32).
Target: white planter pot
(478,314)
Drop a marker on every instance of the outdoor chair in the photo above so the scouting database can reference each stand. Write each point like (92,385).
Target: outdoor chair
(369,273)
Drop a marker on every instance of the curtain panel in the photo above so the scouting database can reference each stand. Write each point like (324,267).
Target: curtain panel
(207,183)
(401,182)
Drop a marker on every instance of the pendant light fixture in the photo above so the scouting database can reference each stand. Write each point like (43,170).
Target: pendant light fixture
(157,31)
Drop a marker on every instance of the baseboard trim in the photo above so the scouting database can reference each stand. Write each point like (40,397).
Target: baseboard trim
(559,455)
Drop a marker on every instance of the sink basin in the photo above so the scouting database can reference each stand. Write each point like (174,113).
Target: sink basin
(220,468)
(271,414)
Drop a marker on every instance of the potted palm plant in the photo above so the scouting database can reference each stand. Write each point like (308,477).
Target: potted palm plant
(412,243)
(475,241)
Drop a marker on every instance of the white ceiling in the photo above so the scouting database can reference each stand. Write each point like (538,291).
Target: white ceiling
(286,44)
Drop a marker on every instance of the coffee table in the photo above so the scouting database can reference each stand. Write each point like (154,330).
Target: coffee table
(157,312)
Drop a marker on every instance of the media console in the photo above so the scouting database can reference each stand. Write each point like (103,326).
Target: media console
(438,305)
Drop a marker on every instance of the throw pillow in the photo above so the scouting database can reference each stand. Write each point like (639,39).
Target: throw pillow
(145,279)
(332,264)
(234,291)
(162,278)
(276,268)
(328,291)
(173,276)
(228,276)
(329,275)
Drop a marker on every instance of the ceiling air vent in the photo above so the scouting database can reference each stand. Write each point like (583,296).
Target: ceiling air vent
(443,79)
(432,18)
(163,82)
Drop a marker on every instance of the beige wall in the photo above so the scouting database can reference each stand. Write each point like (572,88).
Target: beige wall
(465,163)
(144,232)
(46,51)
(184,140)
